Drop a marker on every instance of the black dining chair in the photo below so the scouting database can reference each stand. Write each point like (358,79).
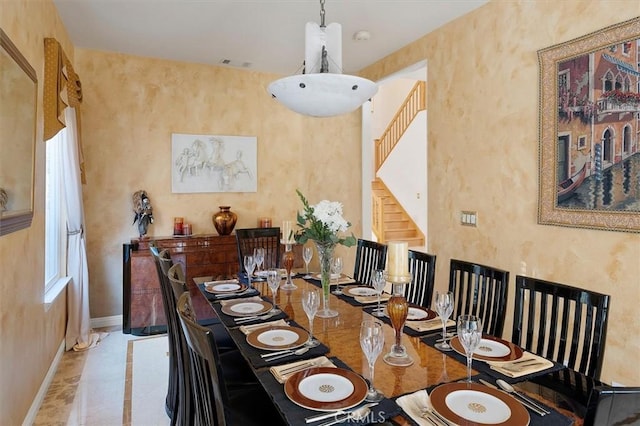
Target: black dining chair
(562,323)
(216,403)
(610,405)
(479,290)
(247,239)
(422,267)
(177,282)
(175,400)
(370,255)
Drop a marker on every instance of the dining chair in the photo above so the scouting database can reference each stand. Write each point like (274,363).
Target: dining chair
(609,405)
(422,267)
(174,404)
(370,255)
(215,402)
(248,239)
(562,323)
(479,290)
(178,285)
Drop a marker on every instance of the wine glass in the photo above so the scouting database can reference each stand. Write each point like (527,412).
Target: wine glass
(307,255)
(273,281)
(470,334)
(310,304)
(372,342)
(258,255)
(249,265)
(336,269)
(444,308)
(378,282)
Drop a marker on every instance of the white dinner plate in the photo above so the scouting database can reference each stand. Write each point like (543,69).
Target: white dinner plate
(263,274)
(417,313)
(277,337)
(360,291)
(333,276)
(492,349)
(248,308)
(478,407)
(325,387)
(224,287)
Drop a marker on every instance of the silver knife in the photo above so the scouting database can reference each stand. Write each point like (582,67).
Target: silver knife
(337,413)
(535,409)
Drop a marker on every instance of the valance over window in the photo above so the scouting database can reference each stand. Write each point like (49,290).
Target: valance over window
(62,88)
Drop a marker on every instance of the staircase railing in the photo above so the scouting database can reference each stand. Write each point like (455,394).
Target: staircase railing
(413,104)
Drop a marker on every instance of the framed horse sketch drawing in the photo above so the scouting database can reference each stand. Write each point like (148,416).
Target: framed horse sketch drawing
(213,163)
(590,131)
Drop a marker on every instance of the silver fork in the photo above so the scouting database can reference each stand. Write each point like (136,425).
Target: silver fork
(254,318)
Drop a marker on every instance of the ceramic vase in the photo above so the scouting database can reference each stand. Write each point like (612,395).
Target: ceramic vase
(224,220)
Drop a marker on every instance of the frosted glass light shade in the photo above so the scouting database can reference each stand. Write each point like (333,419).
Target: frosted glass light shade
(322,94)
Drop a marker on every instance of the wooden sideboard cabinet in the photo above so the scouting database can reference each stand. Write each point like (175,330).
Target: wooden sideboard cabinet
(200,255)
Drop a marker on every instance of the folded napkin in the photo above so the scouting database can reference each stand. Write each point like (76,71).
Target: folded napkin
(283,372)
(428,325)
(247,329)
(529,363)
(365,300)
(414,404)
(245,299)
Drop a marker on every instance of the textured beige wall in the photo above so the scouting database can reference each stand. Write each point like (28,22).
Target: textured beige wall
(132,105)
(29,334)
(483,156)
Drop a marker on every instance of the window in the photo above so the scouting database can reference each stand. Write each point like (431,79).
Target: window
(55,216)
(582,142)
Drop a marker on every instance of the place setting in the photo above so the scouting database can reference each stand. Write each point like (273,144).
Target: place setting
(248,310)
(232,288)
(328,386)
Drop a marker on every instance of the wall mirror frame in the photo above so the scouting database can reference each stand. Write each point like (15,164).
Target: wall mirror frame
(18,116)
(590,131)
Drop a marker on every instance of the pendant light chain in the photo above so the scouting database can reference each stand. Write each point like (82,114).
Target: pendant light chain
(322,14)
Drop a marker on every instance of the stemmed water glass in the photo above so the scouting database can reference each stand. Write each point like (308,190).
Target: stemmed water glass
(372,342)
(273,281)
(378,282)
(258,256)
(307,255)
(310,304)
(444,307)
(249,266)
(336,269)
(470,334)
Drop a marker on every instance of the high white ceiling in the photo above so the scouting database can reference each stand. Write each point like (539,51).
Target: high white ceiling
(266,34)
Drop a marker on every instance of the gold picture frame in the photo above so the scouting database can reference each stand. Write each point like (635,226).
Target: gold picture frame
(590,87)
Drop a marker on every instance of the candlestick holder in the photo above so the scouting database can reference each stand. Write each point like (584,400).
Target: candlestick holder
(398,309)
(288,259)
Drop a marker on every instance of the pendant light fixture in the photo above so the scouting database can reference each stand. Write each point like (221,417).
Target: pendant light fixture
(322,90)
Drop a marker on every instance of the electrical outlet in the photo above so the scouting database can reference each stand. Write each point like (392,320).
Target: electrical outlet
(469,218)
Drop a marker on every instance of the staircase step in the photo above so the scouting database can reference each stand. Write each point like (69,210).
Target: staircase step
(392,216)
(399,234)
(396,224)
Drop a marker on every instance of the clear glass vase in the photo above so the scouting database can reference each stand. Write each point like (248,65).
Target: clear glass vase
(325,253)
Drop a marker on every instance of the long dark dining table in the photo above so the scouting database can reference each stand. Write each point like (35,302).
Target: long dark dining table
(340,342)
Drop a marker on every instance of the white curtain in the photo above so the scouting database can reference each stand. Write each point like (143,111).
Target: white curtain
(79,335)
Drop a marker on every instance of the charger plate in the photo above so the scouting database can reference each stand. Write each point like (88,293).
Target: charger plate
(224,287)
(359,291)
(491,349)
(473,404)
(241,308)
(277,337)
(326,388)
(418,313)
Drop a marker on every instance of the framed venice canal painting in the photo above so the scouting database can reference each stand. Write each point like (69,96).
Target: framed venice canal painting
(590,131)
(213,163)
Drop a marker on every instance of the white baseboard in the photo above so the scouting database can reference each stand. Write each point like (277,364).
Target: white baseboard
(44,387)
(106,321)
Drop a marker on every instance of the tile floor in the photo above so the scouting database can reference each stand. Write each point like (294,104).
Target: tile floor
(99,386)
